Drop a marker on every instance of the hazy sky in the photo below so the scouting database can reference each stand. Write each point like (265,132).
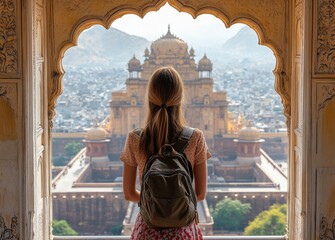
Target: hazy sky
(202,31)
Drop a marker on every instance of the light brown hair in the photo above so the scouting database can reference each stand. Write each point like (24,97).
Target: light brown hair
(164,120)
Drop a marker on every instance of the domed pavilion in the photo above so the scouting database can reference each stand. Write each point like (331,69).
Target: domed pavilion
(97,146)
(248,145)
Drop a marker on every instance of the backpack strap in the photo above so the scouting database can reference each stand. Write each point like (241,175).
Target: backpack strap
(138,131)
(183,139)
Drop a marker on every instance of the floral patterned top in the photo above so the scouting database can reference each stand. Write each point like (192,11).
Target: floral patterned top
(196,151)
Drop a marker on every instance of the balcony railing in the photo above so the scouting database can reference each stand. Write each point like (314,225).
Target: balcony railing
(205,238)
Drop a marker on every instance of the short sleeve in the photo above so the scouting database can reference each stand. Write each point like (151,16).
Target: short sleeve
(129,151)
(202,153)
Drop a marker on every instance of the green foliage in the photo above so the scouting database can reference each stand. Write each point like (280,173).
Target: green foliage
(230,215)
(116,230)
(73,148)
(62,228)
(60,161)
(269,222)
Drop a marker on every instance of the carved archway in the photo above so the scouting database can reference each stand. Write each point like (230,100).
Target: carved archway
(266,18)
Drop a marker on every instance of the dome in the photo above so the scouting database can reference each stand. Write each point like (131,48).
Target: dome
(134,64)
(169,44)
(205,64)
(249,133)
(96,134)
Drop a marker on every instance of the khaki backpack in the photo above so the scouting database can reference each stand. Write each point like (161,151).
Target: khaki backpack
(167,198)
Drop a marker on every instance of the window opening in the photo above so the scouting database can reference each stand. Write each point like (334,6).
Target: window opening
(234,93)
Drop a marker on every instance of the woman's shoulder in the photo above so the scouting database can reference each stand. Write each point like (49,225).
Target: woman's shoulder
(197,134)
(134,134)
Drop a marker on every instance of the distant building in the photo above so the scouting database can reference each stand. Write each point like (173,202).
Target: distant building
(96,146)
(248,145)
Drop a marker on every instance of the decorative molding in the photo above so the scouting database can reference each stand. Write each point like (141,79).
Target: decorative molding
(12,233)
(40,220)
(325,37)
(299,20)
(298,141)
(8,38)
(328,93)
(38,33)
(297,219)
(326,232)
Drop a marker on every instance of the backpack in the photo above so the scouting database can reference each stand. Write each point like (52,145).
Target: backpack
(167,198)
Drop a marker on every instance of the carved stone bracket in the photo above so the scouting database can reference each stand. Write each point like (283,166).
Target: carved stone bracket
(328,93)
(325,37)
(327,232)
(3,91)
(11,233)
(8,38)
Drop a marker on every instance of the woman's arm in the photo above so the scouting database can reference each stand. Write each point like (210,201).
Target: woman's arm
(200,180)
(129,183)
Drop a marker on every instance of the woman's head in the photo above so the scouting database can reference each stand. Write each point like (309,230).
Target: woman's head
(164,117)
(165,87)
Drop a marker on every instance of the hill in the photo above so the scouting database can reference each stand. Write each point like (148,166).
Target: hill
(105,48)
(244,47)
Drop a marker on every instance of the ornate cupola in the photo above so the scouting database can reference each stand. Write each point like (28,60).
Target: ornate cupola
(146,54)
(205,67)
(134,68)
(248,145)
(97,146)
(192,53)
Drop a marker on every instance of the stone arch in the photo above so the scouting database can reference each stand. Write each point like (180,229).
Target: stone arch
(85,14)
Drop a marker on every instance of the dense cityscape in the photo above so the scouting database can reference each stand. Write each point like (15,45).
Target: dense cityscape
(87,93)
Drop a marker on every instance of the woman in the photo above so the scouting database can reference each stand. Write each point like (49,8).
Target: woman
(164,122)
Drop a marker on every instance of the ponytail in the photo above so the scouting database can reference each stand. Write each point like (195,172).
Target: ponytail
(164,118)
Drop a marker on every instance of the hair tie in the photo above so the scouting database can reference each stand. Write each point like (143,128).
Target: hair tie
(163,106)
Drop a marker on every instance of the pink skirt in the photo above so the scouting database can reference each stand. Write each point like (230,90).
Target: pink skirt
(143,232)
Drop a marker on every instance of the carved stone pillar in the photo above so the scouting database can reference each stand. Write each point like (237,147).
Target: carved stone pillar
(11,135)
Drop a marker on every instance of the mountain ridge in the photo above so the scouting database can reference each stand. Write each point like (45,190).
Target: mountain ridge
(113,48)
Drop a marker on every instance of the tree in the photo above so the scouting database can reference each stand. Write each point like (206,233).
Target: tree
(269,222)
(62,228)
(60,161)
(116,229)
(230,214)
(72,148)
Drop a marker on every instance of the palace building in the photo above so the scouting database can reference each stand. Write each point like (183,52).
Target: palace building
(204,108)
